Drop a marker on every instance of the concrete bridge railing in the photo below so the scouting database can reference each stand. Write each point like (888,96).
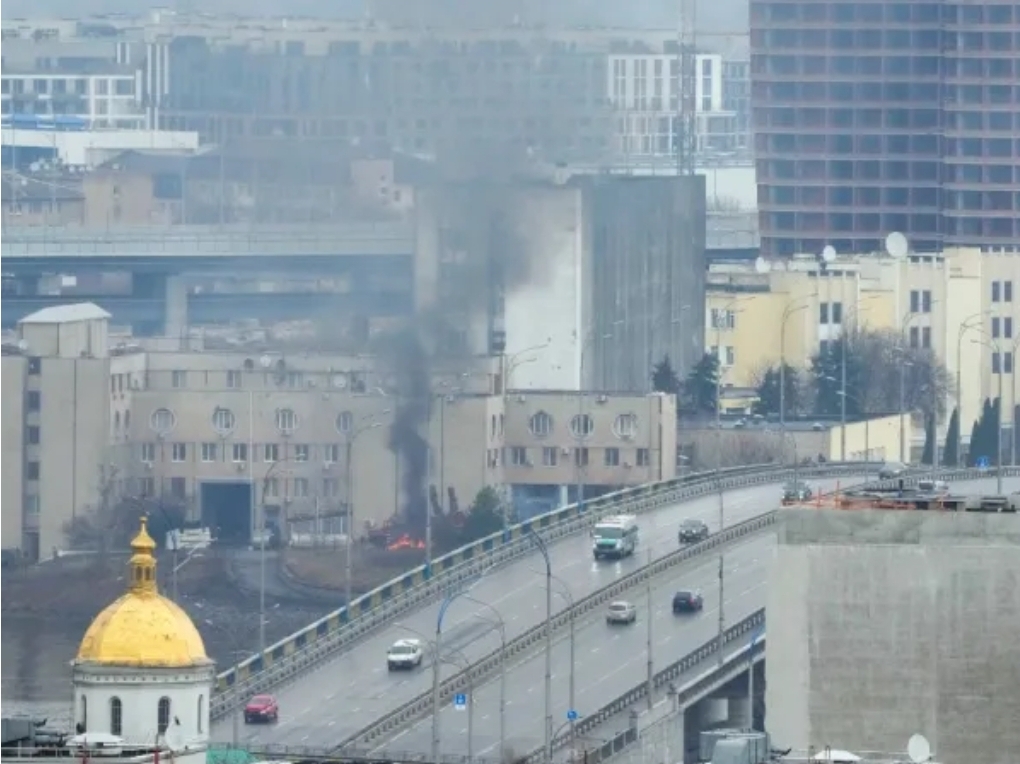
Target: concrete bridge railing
(321,640)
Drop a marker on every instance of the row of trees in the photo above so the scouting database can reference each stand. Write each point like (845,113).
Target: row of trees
(984,438)
(881,376)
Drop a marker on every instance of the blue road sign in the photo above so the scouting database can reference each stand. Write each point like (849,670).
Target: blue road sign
(572,715)
(983,462)
(460,701)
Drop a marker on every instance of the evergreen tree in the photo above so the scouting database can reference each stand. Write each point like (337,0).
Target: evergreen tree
(951,450)
(701,386)
(769,399)
(975,442)
(928,453)
(664,377)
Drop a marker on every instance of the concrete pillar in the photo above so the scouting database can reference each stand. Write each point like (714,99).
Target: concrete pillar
(176,307)
(713,711)
(740,712)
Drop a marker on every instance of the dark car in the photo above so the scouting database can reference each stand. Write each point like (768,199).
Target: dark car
(687,602)
(892,470)
(692,531)
(797,492)
(261,708)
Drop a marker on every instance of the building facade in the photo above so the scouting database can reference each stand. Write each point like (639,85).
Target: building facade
(243,441)
(877,117)
(962,304)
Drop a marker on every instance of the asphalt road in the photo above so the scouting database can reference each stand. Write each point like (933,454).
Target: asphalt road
(608,660)
(349,692)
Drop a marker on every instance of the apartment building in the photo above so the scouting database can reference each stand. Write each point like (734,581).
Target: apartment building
(880,116)
(244,440)
(961,303)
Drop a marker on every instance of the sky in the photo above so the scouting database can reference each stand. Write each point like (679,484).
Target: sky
(713,16)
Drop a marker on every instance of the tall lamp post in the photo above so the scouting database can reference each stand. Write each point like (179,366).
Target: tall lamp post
(582,433)
(500,625)
(544,550)
(791,309)
(367,424)
(568,597)
(904,325)
(996,347)
(849,317)
(972,321)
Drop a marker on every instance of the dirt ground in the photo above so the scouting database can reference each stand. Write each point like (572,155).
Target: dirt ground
(81,587)
(370,567)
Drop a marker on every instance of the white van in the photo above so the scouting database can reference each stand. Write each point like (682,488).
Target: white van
(615,537)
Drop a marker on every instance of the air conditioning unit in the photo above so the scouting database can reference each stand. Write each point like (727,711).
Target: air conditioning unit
(627,465)
(602,399)
(528,463)
(565,451)
(136,384)
(521,399)
(311,383)
(327,466)
(249,364)
(239,467)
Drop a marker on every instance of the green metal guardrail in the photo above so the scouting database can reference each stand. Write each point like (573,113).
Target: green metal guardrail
(321,640)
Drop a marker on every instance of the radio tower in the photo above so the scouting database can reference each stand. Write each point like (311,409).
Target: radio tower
(687,103)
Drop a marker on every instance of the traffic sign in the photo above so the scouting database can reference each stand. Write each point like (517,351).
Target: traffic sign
(460,701)
(572,715)
(983,462)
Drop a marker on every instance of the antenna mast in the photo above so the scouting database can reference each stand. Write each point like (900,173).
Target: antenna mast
(687,103)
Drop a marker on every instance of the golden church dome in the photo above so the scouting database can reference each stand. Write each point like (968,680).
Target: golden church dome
(142,628)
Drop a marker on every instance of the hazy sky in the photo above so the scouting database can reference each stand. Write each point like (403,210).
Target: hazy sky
(712,15)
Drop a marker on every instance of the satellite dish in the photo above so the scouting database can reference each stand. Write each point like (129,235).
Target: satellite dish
(761,265)
(828,253)
(22,345)
(265,362)
(918,747)
(897,246)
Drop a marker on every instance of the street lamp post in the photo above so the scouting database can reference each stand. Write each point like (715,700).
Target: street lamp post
(352,436)
(581,434)
(996,347)
(844,346)
(544,550)
(788,313)
(972,321)
(567,595)
(501,626)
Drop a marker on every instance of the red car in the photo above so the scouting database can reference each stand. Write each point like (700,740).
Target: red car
(261,708)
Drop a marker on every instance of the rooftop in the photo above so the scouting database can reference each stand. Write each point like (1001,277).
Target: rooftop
(60,314)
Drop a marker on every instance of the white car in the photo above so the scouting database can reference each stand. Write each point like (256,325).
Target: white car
(621,612)
(405,654)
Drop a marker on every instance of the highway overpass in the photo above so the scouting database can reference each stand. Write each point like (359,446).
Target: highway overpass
(358,678)
(351,691)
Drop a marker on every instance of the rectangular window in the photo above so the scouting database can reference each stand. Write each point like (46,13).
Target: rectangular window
(1007,362)
(331,453)
(643,457)
(208,452)
(148,452)
(996,364)
(34,366)
(32,504)
(148,486)
(1007,327)
(915,333)
(926,337)
(730,357)
(33,400)
(300,488)
(915,301)
(519,456)
(837,313)
(612,457)
(179,379)
(823,313)
(271,453)
(32,471)
(1007,291)
(995,327)
(239,452)
(926,301)
(302,452)
(549,456)
(32,436)
(330,488)
(178,487)
(996,291)
(581,456)
(179,452)
(234,379)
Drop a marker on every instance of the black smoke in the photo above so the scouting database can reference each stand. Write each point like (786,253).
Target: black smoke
(404,353)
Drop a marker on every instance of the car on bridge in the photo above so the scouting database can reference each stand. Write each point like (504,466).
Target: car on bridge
(621,612)
(796,491)
(405,654)
(891,470)
(261,708)
(687,602)
(692,531)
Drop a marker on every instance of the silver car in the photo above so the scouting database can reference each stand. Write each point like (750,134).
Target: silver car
(621,612)
(892,470)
